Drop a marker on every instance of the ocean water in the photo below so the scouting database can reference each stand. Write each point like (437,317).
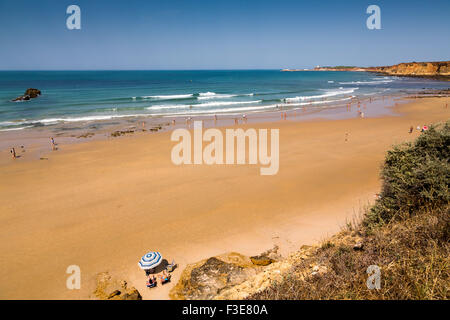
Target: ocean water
(82,96)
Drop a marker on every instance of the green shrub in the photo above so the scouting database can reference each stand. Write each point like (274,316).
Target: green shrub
(415,176)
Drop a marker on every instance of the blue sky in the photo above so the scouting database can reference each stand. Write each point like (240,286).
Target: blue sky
(216,34)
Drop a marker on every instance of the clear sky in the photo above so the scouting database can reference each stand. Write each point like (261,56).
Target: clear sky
(219,34)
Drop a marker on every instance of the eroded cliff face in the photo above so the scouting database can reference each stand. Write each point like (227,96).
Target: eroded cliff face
(439,70)
(431,69)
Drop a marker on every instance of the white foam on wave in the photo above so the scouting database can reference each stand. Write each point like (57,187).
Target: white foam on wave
(169,106)
(50,121)
(313,102)
(169,97)
(367,82)
(213,95)
(201,105)
(225,103)
(15,129)
(216,96)
(207,94)
(326,95)
(217,111)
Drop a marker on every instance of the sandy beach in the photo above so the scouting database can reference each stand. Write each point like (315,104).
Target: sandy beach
(102,204)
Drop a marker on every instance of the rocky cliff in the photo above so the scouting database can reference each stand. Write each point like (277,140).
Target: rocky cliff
(219,277)
(420,69)
(437,70)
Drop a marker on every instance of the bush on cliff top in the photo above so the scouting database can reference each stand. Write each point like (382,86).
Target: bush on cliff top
(415,176)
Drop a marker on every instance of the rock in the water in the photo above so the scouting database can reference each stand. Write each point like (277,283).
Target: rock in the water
(29,94)
(33,93)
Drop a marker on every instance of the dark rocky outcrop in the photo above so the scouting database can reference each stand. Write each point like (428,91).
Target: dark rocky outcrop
(29,94)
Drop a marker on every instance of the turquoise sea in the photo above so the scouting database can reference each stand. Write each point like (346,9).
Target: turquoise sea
(81,96)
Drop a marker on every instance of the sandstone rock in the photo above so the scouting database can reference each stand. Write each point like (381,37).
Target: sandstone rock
(109,288)
(261,260)
(113,294)
(132,294)
(207,278)
(439,69)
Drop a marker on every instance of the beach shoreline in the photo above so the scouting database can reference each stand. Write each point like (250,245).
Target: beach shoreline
(36,141)
(120,197)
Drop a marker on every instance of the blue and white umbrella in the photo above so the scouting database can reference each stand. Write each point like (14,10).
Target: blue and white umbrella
(150,260)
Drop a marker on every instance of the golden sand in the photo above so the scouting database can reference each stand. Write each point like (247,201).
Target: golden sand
(101,205)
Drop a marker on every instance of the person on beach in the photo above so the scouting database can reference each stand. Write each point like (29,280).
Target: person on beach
(215,119)
(346,136)
(165,277)
(411,129)
(244,118)
(53,143)
(173,122)
(13,153)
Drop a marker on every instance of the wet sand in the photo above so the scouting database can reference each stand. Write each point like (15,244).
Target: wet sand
(102,204)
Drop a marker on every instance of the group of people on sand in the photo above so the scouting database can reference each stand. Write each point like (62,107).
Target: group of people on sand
(215,118)
(152,280)
(419,128)
(14,153)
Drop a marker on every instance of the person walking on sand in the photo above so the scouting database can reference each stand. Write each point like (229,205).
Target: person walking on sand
(244,118)
(53,143)
(346,136)
(13,153)
(215,119)
(411,129)
(173,122)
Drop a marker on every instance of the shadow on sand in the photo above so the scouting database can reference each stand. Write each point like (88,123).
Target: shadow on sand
(162,266)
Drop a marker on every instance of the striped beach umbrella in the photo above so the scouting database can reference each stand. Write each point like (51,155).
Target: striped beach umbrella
(150,260)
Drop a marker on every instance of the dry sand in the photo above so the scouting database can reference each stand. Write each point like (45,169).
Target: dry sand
(102,204)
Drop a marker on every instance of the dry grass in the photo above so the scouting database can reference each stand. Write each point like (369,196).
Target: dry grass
(413,256)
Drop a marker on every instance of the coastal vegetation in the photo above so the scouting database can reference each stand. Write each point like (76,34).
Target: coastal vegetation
(406,234)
